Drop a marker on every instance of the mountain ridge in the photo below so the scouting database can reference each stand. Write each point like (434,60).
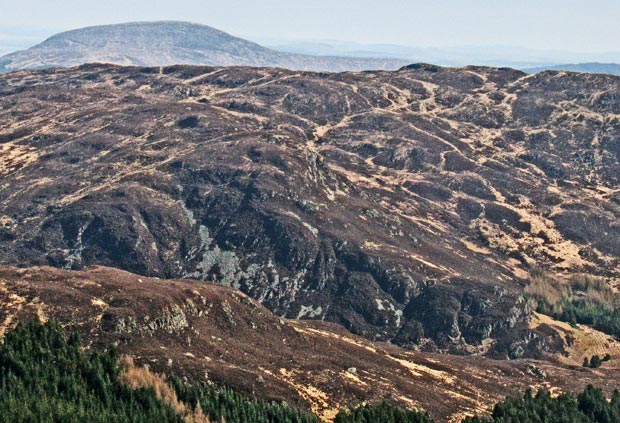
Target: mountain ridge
(161,43)
(457,56)
(409,206)
(592,67)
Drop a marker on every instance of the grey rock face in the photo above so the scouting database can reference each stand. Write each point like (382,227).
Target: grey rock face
(399,204)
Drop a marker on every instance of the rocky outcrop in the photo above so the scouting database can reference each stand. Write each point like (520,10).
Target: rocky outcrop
(205,332)
(407,206)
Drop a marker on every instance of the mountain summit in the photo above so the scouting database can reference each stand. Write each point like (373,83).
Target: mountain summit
(169,43)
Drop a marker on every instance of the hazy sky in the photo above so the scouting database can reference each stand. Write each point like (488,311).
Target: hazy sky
(575,25)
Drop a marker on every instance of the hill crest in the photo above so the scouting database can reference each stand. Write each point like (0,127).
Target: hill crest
(162,43)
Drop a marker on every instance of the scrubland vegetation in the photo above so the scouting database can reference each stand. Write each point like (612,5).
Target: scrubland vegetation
(582,299)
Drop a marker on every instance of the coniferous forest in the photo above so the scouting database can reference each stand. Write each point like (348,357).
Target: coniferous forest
(583,299)
(48,377)
(224,404)
(590,406)
(383,412)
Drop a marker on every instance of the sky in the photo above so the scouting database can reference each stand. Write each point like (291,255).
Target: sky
(569,25)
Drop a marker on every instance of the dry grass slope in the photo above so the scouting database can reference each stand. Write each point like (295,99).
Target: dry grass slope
(142,377)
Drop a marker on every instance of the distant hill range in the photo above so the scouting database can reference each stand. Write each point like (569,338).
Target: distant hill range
(604,68)
(169,43)
(523,58)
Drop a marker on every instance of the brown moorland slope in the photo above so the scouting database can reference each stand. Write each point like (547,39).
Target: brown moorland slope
(209,332)
(407,206)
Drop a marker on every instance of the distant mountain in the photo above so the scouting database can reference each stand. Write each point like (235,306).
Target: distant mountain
(13,39)
(499,56)
(495,56)
(168,43)
(605,68)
